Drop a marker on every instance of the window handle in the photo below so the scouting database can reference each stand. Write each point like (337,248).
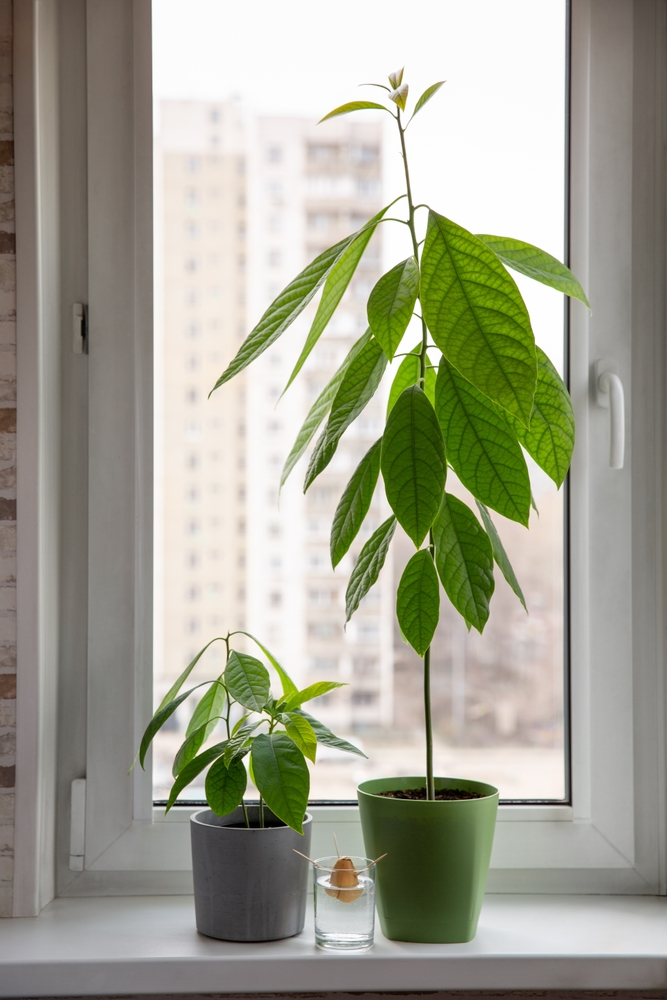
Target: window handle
(609,395)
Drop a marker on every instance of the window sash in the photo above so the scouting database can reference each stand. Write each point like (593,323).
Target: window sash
(611,838)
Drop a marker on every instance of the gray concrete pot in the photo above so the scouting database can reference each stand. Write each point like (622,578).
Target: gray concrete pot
(249,883)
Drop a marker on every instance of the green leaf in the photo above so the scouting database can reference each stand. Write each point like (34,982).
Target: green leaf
(225,787)
(194,768)
(370,562)
(535,263)
(210,706)
(408,374)
(345,109)
(327,738)
(354,503)
(281,776)
(301,731)
(500,555)
(236,746)
(284,310)
(289,687)
(426,96)
(247,680)
(319,410)
(481,446)
(192,745)
(464,560)
(418,601)
(413,463)
(400,96)
(359,384)
(477,317)
(334,288)
(550,440)
(159,719)
(181,679)
(312,691)
(240,722)
(391,304)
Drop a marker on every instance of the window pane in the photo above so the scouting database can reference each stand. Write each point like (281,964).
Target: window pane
(248,190)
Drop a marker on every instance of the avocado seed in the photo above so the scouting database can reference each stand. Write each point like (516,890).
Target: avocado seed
(344,878)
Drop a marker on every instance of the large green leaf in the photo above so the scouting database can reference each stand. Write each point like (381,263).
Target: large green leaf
(359,384)
(345,109)
(288,685)
(209,707)
(481,445)
(192,745)
(464,559)
(327,738)
(193,769)
(319,409)
(284,310)
(300,730)
(159,718)
(535,263)
(418,601)
(281,776)
(334,289)
(247,680)
(413,463)
(367,569)
(315,690)
(499,553)
(477,317)
(409,373)
(354,503)
(550,440)
(426,96)
(391,304)
(225,787)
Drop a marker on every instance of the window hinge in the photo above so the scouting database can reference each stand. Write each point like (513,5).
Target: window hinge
(79,328)
(77,830)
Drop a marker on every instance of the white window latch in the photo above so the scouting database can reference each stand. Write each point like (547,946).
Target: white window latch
(609,395)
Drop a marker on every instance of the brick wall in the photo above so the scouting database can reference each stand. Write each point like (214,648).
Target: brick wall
(7,464)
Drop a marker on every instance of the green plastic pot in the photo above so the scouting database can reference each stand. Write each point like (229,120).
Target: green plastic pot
(431,885)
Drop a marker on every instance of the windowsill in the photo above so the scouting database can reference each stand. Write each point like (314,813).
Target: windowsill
(135,945)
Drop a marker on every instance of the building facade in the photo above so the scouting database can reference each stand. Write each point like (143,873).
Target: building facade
(242,205)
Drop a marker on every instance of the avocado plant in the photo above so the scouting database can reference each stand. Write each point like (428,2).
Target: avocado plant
(275,735)
(468,399)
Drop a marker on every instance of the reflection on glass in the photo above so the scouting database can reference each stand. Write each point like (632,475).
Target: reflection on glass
(248,190)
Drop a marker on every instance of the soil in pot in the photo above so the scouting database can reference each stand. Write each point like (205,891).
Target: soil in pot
(249,884)
(441,794)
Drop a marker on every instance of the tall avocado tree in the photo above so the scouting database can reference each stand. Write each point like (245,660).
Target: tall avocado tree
(470,397)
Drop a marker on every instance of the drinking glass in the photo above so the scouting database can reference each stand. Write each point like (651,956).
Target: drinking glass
(344,903)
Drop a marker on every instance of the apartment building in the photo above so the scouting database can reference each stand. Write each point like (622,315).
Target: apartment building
(242,205)
(309,186)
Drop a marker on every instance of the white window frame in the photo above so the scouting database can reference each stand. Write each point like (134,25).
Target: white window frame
(88,588)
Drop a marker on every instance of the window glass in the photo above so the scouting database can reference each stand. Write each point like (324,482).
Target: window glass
(248,190)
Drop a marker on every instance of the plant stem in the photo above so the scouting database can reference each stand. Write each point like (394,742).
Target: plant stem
(261,812)
(229,703)
(415,244)
(430,786)
(428,723)
(245,814)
